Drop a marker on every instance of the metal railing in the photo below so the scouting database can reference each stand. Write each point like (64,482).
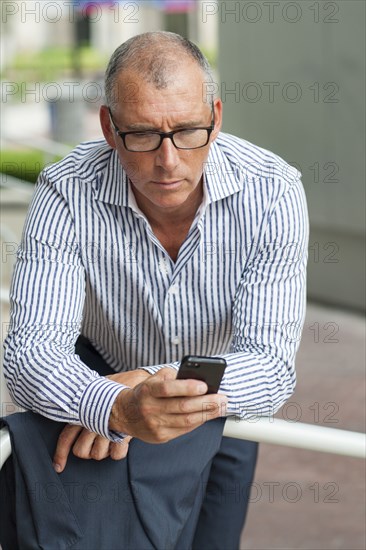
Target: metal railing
(4,295)
(271,430)
(5,446)
(299,435)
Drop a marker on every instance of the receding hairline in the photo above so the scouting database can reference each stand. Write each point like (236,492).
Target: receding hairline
(154,57)
(130,78)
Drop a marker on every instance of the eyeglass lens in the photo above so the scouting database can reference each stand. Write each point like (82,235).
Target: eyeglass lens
(183,139)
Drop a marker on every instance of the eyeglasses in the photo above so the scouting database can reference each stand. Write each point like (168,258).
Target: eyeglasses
(145,141)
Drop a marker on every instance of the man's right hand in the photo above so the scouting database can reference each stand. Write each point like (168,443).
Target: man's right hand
(162,408)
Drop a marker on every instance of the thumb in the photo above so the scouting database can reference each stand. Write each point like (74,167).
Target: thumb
(65,442)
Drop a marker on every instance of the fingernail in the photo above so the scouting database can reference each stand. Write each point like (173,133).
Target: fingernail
(57,468)
(201,388)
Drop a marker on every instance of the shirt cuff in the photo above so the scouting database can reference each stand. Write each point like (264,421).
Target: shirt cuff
(96,404)
(155,368)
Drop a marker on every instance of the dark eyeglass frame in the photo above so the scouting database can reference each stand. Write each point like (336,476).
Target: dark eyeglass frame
(164,135)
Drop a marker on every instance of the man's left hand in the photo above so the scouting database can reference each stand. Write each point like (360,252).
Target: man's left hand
(86,444)
(89,445)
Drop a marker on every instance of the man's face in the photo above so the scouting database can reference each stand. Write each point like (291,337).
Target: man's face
(166,179)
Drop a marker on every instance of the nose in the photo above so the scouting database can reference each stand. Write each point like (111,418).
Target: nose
(167,156)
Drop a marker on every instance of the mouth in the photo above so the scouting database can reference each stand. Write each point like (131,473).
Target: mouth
(168,184)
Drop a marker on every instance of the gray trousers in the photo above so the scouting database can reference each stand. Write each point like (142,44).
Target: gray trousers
(189,493)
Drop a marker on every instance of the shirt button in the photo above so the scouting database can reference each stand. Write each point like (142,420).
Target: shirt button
(174,289)
(163,266)
(176,340)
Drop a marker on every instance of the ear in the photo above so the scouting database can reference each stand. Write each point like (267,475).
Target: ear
(218,118)
(108,131)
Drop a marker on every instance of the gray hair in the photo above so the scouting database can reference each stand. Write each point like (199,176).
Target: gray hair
(154,55)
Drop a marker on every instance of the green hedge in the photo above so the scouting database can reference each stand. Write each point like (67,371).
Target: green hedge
(25,165)
(52,63)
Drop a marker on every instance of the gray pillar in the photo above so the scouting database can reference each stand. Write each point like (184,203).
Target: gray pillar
(292,80)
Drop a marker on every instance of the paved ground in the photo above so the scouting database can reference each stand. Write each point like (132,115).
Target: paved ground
(300,499)
(312,500)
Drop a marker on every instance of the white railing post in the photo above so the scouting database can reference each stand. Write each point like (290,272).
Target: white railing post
(277,431)
(5,446)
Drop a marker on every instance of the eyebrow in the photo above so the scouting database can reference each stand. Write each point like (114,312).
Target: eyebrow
(140,127)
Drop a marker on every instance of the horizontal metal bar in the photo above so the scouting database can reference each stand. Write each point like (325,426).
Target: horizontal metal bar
(4,295)
(271,430)
(297,434)
(5,446)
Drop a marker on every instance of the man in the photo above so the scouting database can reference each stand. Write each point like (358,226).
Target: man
(166,239)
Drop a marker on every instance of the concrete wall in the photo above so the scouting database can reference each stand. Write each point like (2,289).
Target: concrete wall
(292,80)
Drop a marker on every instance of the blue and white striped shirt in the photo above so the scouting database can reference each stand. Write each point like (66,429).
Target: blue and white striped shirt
(89,263)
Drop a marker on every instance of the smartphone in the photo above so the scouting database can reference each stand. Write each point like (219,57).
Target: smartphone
(207,369)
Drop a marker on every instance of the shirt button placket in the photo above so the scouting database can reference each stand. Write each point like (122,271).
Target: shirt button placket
(171,306)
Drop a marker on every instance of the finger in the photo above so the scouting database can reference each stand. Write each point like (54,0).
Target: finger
(208,411)
(120,450)
(184,423)
(187,405)
(180,424)
(163,384)
(90,445)
(159,428)
(65,442)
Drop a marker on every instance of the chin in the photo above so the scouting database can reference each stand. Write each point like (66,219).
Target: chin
(170,198)
(169,203)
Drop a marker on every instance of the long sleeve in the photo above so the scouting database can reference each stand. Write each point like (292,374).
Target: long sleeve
(269,312)
(47,298)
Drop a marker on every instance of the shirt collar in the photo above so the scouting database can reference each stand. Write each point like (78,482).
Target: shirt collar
(222,177)
(111,183)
